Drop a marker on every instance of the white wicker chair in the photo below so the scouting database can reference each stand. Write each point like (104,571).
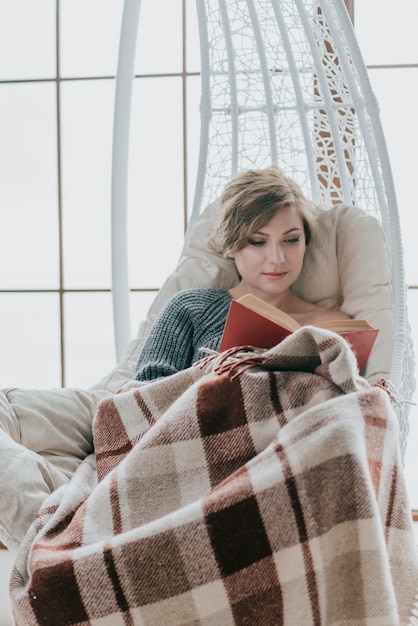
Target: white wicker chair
(283,81)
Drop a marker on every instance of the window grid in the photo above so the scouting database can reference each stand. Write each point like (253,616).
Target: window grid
(59,80)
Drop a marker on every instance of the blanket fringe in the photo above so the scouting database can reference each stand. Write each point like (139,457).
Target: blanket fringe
(234,361)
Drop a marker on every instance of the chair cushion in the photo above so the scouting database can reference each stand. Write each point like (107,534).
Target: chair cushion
(348,266)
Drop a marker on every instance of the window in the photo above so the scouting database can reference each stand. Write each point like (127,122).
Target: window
(57,95)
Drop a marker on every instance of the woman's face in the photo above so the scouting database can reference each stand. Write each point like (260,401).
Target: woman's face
(272,259)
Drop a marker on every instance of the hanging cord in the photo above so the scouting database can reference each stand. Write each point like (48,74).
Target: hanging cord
(394,395)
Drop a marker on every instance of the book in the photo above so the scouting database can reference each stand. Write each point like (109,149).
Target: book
(253,322)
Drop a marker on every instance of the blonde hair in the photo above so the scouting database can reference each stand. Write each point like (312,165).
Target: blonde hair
(248,203)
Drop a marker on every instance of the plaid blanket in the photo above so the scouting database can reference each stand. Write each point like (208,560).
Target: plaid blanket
(259,488)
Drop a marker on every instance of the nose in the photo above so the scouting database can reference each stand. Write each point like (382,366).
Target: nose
(277,254)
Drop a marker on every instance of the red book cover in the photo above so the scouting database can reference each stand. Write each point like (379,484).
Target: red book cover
(245,327)
(361,342)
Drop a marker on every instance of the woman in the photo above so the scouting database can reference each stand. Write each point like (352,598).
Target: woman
(265,225)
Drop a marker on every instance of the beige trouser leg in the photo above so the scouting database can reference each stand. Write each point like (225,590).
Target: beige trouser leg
(44,436)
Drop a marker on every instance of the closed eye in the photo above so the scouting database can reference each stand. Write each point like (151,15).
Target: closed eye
(256,242)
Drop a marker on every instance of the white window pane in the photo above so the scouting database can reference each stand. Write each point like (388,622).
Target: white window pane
(155,225)
(89,39)
(89,337)
(30,340)
(411,457)
(27,39)
(89,344)
(140,302)
(192,38)
(387,30)
(28,187)
(159,47)
(193,134)
(87,118)
(397,93)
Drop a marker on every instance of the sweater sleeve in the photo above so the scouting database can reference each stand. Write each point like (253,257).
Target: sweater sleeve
(169,345)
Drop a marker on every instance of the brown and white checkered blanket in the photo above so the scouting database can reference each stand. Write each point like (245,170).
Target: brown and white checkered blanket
(267,492)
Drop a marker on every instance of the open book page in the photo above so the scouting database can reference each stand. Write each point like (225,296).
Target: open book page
(339,326)
(274,314)
(269,311)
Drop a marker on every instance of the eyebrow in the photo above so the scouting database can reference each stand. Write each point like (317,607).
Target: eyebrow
(291,230)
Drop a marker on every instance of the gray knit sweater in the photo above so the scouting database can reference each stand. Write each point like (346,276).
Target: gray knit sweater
(191,320)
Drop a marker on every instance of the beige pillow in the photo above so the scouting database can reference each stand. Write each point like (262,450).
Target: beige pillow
(347,266)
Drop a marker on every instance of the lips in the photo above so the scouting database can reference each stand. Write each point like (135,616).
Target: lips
(275,275)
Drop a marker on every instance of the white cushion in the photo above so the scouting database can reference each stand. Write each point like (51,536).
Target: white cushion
(347,266)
